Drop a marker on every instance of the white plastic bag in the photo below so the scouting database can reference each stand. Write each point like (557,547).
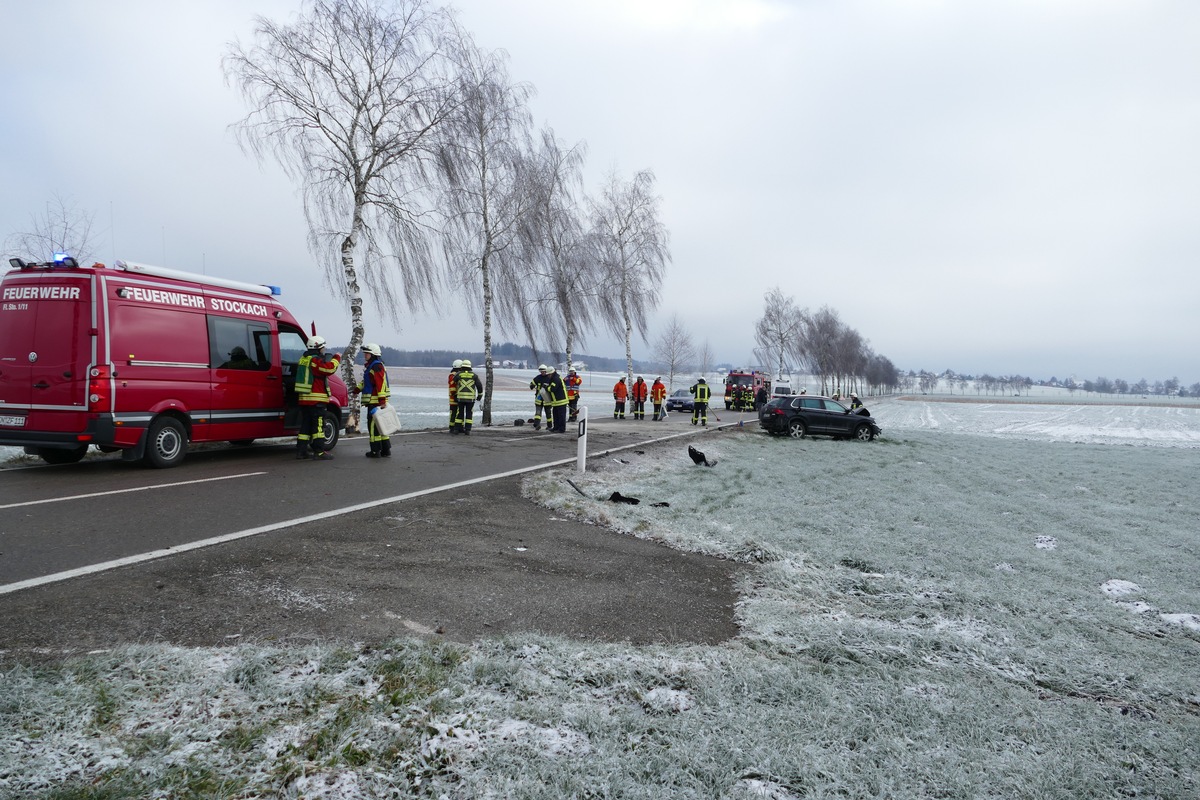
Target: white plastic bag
(387,421)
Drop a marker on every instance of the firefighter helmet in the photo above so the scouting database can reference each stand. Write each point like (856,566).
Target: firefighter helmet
(372,348)
(456,363)
(543,368)
(465,364)
(316,342)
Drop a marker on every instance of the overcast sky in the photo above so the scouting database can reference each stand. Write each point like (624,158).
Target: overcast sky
(1003,187)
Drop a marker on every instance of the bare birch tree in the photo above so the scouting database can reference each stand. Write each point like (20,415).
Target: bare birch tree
(817,346)
(562,282)
(779,331)
(62,227)
(346,100)
(673,348)
(632,248)
(485,196)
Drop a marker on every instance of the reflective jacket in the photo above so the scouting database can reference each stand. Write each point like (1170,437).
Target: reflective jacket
(640,391)
(700,390)
(538,385)
(620,391)
(453,383)
(658,393)
(557,390)
(374,385)
(468,386)
(312,374)
(573,383)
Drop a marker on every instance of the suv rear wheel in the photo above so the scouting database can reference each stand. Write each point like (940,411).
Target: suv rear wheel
(797,429)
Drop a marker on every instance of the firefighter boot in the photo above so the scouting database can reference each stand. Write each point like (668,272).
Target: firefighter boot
(302,450)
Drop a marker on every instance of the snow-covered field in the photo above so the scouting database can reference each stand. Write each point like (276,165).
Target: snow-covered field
(990,601)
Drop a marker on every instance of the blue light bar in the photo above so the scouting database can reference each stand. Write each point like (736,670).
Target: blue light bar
(275,290)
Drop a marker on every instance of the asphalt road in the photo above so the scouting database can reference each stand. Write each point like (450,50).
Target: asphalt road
(248,544)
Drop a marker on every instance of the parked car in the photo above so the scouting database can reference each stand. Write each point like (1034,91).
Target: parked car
(811,415)
(680,400)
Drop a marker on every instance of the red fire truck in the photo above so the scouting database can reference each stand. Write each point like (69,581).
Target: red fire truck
(143,360)
(738,381)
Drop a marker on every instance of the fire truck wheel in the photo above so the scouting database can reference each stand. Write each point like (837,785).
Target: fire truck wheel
(166,443)
(330,429)
(57,456)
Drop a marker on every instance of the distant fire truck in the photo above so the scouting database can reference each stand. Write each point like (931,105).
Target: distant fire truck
(741,387)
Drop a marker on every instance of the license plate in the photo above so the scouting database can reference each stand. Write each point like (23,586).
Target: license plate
(12,422)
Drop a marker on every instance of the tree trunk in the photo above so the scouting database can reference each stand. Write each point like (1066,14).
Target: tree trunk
(628,334)
(487,340)
(356,319)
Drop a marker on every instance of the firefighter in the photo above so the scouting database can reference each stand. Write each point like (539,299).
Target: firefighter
(620,395)
(556,402)
(573,382)
(541,398)
(640,392)
(468,390)
(452,384)
(855,402)
(658,395)
(312,389)
(700,391)
(375,393)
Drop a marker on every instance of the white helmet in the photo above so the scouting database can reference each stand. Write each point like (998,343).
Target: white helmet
(372,348)
(457,363)
(316,342)
(465,364)
(543,368)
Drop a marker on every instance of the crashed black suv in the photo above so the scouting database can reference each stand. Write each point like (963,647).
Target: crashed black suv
(812,415)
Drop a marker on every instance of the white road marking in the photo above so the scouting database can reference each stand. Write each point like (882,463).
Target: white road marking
(125,491)
(275,526)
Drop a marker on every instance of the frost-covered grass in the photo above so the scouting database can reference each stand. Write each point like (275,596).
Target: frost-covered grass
(928,615)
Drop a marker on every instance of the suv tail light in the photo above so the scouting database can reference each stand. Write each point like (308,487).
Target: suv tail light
(99,388)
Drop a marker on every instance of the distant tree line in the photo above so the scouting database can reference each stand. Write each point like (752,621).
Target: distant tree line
(507,351)
(823,346)
(926,381)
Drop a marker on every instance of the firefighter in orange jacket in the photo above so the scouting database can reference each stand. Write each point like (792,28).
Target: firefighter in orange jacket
(658,395)
(640,392)
(620,395)
(573,382)
(312,388)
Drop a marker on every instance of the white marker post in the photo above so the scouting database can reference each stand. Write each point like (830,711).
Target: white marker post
(581,439)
